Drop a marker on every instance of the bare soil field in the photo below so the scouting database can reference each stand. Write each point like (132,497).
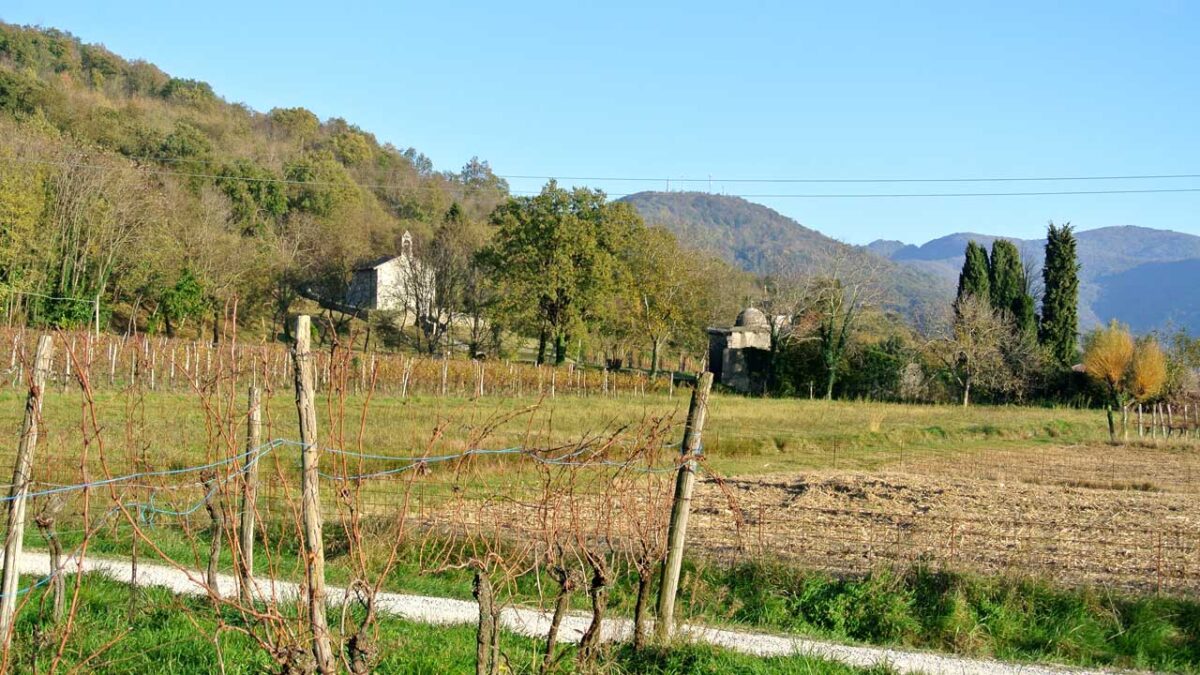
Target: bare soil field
(1123,517)
(1164,467)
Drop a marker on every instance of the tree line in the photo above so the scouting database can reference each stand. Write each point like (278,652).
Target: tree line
(1010,335)
(581,276)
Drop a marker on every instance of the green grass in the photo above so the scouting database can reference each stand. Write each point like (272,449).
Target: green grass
(1005,618)
(1015,619)
(743,436)
(166,634)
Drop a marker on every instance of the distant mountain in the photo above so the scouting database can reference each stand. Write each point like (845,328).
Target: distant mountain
(887,248)
(1152,295)
(1138,275)
(763,241)
(1141,276)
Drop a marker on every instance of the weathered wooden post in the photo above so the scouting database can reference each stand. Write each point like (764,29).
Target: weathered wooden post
(19,492)
(250,492)
(67,363)
(310,498)
(677,529)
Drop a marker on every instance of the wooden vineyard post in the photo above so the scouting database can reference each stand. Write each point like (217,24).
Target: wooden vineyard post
(19,492)
(677,529)
(250,492)
(310,499)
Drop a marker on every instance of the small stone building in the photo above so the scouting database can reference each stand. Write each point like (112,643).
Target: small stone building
(738,356)
(392,283)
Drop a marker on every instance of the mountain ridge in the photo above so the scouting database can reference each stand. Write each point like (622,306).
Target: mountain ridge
(763,241)
(1120,264)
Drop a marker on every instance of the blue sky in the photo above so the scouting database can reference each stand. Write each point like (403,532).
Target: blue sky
(732,91)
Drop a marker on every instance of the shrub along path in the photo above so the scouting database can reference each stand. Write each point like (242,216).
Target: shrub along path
(534,622)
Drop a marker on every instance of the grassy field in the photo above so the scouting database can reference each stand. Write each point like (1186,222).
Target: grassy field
(1021,620)
(743,436)
(984,531)
(161,633)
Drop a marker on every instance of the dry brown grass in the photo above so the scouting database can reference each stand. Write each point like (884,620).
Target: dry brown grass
(1127,518)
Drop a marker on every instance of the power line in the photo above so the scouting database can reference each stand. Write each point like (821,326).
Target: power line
(997,179)
(896,195)
(848,195)
(708,180)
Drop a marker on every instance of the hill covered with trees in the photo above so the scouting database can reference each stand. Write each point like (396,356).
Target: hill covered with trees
(151,192)
(763,241)
(173,209)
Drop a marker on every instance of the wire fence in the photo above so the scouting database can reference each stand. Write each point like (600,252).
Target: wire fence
(505,496)
(158,363)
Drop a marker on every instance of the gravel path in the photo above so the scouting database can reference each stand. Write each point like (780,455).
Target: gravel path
(534,622)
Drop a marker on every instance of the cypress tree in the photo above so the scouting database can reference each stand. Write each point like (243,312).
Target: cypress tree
(1007,281)
(1060,303)
(973,280)
(1024,316)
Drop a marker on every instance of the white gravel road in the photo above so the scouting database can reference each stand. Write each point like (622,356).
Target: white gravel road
(533,622)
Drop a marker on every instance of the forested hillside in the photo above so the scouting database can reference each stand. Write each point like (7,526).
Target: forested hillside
(120,181)
(763,241)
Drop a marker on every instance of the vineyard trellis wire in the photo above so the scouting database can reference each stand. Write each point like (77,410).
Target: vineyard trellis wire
(444,505)
(162,364)
(579,512)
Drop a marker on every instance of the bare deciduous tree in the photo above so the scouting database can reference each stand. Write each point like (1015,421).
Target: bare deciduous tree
(973,352)
(824,305)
